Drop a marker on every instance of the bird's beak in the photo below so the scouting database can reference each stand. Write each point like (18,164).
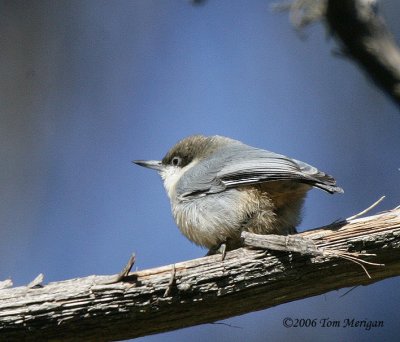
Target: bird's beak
(150,164)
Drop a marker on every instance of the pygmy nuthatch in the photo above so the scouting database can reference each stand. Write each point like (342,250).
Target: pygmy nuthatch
(219,187)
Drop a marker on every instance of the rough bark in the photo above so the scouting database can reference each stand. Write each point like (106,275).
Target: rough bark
(201,290)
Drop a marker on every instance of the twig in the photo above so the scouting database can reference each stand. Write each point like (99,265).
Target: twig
(121,275)
(351,256)
(348,291)
(305,246)
(171,282)
(37,282)
(366,210)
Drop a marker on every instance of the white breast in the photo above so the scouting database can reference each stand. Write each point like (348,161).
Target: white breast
(171,175)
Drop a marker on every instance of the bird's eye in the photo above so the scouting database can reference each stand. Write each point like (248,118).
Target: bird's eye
(176,161)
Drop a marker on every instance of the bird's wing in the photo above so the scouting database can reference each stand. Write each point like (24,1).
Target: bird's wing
(260,166)
(243,165)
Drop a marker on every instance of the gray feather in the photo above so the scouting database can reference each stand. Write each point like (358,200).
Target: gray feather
(239,164)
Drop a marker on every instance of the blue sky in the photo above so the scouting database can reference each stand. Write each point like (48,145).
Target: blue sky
(86,87)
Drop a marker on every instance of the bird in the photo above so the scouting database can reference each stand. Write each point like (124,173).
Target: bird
(219,187)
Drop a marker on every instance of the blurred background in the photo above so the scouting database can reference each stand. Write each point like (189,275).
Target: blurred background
(88,86)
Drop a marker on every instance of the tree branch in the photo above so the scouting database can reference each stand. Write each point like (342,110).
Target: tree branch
(366,38)
(201,290)
(362,34)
